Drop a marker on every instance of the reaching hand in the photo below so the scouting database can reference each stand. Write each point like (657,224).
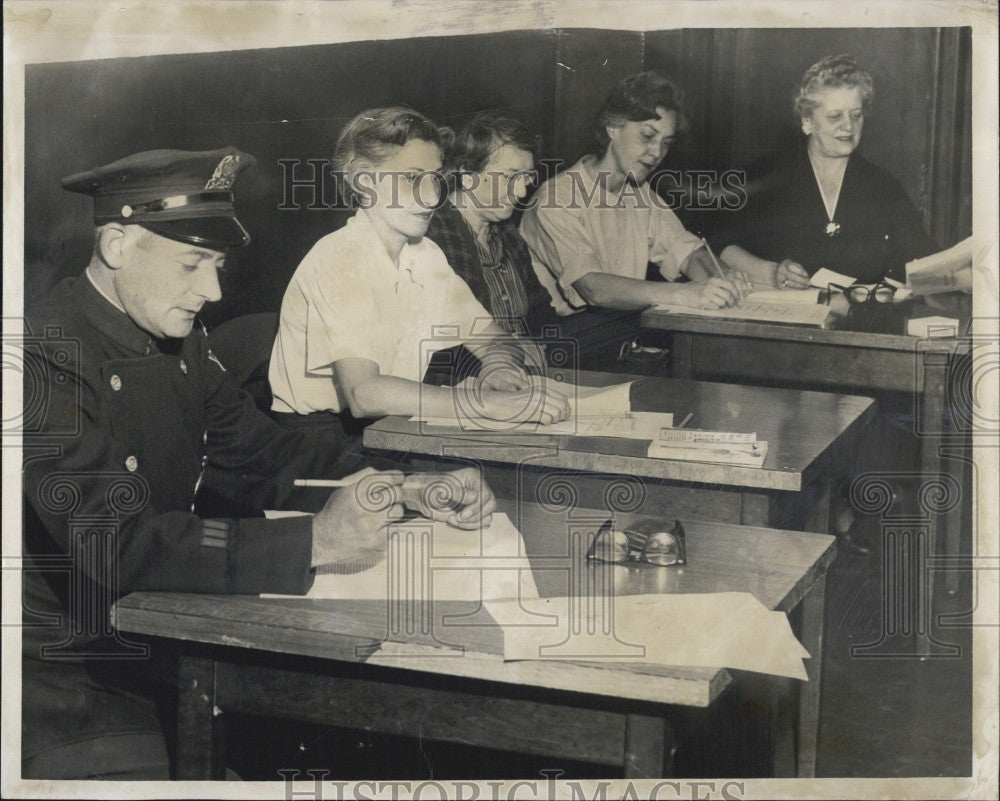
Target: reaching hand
(460,498)
(349,529)
(790,275)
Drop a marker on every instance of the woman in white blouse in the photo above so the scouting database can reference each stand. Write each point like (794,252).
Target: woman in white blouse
(372,301)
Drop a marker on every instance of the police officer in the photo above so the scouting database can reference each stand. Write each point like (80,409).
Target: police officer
(132,415)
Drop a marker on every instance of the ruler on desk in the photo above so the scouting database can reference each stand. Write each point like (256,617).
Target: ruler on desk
(695,436)
(738,453)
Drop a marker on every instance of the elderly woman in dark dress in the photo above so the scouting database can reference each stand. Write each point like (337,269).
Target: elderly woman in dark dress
(822,204)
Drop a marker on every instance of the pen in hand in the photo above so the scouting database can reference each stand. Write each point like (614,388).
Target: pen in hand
(720,273)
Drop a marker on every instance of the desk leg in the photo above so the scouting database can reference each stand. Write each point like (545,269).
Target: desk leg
(809,692)
(649,747)
(199,745)
(795,739)
(932,422)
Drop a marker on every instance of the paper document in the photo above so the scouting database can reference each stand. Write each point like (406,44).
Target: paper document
(791,313)
(945,271)
(805,296)
(594,412)
(728,629)
(432,561)
(823,277)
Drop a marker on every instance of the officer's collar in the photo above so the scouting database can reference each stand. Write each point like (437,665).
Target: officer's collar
(112,321)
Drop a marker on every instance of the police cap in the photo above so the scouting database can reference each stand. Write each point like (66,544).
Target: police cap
(180,194)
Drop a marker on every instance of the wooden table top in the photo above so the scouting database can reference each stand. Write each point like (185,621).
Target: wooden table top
(876,328)
(800,427)
(778,567)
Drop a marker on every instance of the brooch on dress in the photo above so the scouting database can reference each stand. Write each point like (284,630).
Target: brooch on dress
(832,228)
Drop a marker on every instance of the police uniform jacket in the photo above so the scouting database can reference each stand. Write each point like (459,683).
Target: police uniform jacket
(120,431)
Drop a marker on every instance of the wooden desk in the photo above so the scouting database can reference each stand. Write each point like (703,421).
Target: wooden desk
(806,432)
(838,359)
(313,660)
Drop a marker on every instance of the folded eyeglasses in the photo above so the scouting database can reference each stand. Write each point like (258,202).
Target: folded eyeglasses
(645,540)
(858,294)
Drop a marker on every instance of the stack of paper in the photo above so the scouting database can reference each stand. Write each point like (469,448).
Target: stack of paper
(751,309)
(946,271)
(594,412)
(719,447)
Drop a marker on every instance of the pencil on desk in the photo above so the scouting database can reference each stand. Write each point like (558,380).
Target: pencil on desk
(715,261)
(324,482)
(686,420)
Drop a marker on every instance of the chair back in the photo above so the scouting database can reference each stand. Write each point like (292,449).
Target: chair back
(243,345)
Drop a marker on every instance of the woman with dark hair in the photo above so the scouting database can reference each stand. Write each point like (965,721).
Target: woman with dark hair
(594,229)
(490,168)
(361,314)
(823,204)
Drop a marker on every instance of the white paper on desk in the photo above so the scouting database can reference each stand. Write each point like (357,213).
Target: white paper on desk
(804,296)
(793,313)
(823,277)
(728,629)
(594,411)
(432,561)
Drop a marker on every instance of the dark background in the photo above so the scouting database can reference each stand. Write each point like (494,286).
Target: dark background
(291,102)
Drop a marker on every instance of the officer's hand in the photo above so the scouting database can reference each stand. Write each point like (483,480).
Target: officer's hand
(460,498)
(350,528)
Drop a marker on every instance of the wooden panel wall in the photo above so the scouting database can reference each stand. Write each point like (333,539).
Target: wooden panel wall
(740,85)
(290,103)
(287,103)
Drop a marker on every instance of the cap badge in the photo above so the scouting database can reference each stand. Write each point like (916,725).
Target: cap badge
(225,173)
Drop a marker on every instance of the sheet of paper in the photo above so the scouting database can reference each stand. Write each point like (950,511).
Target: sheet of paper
(932,327)
(805,296)
(823,277)
(792,313)
(730,629)
(432,561)
(594,411)
(943,263)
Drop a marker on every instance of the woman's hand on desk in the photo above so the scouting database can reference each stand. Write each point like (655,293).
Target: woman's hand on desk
(741,281)
(789,274)
(460,498)
(536,404)
(714,293)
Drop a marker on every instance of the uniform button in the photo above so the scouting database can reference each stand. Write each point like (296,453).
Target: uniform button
(131,464)
(204,437)
(116,383)
(504,297)
(184,367)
